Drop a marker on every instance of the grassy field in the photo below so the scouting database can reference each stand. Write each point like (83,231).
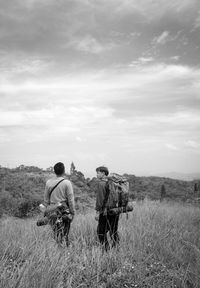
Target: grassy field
(159,247)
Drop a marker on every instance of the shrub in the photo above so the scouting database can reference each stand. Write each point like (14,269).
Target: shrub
(27,207)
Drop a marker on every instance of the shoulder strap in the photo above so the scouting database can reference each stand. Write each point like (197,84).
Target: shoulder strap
(55,187)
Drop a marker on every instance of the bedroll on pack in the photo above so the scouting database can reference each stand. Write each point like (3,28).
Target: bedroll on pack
(119,191)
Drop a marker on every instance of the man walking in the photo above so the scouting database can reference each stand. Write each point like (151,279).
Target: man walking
(107,220)
(59,192)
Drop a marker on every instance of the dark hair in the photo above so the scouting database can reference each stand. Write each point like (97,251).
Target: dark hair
(103,169)
(59,168)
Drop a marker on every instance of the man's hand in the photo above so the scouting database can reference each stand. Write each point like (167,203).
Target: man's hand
(71,217)
(97,216)
(42,208)
(59,204)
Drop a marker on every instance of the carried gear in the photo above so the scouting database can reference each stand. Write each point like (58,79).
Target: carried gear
(58,211)
(43,221)
(117,196)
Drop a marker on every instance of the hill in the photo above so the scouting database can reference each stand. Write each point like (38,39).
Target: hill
(150,187)
(22,188)
(181,176)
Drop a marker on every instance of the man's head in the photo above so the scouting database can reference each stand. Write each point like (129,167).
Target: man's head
(59,168)
(102,172)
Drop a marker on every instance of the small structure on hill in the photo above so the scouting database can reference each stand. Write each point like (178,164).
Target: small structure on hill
(74,174)
(72,168)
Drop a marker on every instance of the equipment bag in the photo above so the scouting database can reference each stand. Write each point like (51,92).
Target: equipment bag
(117,194)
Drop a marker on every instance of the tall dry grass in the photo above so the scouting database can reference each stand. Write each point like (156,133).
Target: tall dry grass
(159,247)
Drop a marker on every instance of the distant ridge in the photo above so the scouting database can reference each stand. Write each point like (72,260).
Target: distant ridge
(180,176)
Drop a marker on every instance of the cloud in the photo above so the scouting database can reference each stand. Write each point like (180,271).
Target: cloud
(24,118)
(80,139)
(167,37)
(20,65)
(163,38)
(171,147)
(141,61)
(141,84)
(192,144)
(154,9)
(175,58)
(71,120)
(89,44)
(10,119)
(197,22)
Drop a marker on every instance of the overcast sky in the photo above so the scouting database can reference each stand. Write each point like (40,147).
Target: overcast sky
(100,82)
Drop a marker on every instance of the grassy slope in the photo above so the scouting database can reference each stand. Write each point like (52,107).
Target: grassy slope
(159,247)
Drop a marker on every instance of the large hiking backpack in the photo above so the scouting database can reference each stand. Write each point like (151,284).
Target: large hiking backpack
(118,191)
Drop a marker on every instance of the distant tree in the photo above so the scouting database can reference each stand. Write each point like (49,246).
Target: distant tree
(80,174)
(21,167)
(162,192)
(196,186)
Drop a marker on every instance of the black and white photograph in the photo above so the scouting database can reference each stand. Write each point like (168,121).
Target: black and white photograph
(99,143)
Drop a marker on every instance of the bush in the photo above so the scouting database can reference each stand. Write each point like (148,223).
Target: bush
(18,207)
(27,207)
(8,204)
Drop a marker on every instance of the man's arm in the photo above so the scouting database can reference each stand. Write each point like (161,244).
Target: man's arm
(46,196)
(100,195)
(70,198)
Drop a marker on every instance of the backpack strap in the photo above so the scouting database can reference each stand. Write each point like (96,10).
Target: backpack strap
(55,187)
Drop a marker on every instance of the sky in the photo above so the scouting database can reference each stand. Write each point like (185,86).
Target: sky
(100,82)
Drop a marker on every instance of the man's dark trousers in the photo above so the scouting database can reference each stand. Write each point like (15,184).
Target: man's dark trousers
(108,223)
(62,231)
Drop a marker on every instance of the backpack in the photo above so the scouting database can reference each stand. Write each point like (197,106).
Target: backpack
(118,187)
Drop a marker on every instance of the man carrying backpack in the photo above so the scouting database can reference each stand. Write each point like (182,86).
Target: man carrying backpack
(107,220)
(59,193)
